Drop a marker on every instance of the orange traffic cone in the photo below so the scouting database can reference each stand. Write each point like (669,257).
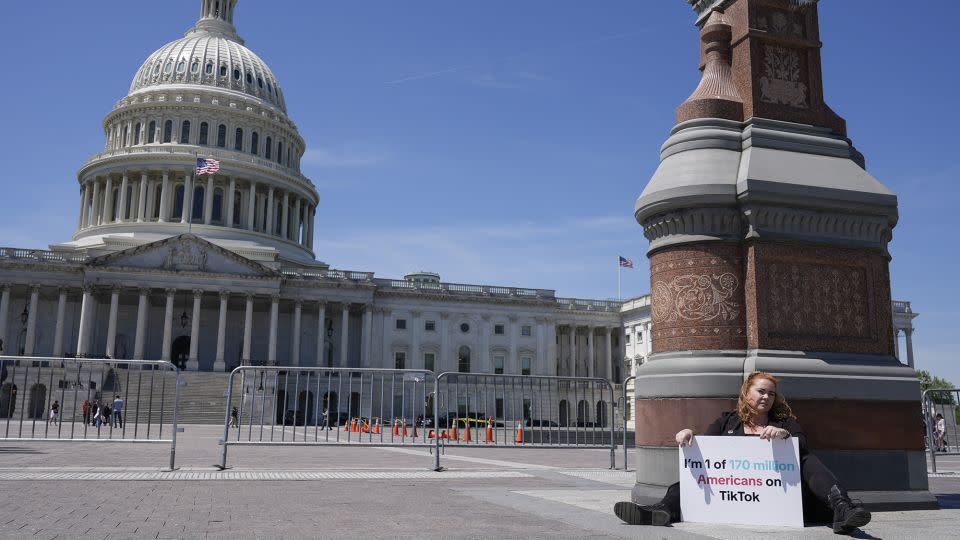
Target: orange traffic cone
(366,427)
(432,434)
(466,433)
(404,427)
(396,427)
(489,431)
(356,425)
(443,434)
(519,438)
(453,432)
(414,430)
(376,426)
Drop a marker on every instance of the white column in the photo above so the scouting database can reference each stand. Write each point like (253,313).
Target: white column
(344,334)
(112,323)
(608,365)
(573,349)
(274,316)
(107,215)
(95,204)
(590,354)
(208,201)
(252,206)
(168,326)
(139,340)
(83,339)
(218,363)
(81,217)
(513,363)
(284,218)
(485,329)
(228,219)
(187,214)
(193,364)
(4,312)
(444,361)
(416,360)
(321,332)
(31,337)
(247,330)
(270,205)
(296,221)
(647,339)
(909,334)
(164,198)
(295,345)
(142,198)
(365,341)
(87,204)
(58,332)
(122,207)
(539,364)
(551,348)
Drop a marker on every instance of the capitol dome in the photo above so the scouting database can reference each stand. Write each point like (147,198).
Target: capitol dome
(211,55)
(203,96)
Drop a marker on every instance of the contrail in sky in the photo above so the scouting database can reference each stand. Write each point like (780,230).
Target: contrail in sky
(574,44)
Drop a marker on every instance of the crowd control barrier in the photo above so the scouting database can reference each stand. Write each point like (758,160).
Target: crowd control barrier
(624,414)
(942,437)
(67,400)
(523,411)
(307,406)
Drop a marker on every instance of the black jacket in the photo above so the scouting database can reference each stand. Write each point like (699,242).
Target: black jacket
(729,424)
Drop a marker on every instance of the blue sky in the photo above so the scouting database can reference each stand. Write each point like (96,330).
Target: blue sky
(497,142)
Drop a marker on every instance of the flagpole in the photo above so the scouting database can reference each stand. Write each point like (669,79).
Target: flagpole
(619,269)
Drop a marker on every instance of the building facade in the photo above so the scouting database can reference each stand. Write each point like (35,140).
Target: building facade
(216,271)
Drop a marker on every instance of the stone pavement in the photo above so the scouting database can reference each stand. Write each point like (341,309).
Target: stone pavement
(96,490)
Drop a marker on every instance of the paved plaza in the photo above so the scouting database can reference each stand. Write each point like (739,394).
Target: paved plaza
(106,490)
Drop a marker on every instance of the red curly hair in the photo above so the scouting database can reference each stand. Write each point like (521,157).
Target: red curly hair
(745,410)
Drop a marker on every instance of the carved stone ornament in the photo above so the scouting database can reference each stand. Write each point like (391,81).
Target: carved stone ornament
(696,297)
(185,257)
(780,82)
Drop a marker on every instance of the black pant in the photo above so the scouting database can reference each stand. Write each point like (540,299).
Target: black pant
(816,483)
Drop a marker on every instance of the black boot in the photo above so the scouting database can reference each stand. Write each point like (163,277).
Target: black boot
(847,514)
(635,514)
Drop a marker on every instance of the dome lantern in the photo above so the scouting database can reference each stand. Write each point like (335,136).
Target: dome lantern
(216,17)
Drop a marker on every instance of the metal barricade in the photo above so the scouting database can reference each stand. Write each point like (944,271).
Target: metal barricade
(624,412)
(940,422)
(66,400)
(523,411)
(316,406)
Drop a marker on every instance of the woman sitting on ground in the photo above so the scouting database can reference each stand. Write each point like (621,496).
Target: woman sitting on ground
(761,411)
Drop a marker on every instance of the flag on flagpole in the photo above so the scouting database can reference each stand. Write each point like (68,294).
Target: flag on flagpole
(625,263)
(207,166)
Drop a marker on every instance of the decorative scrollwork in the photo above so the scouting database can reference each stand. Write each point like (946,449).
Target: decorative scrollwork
(696,297)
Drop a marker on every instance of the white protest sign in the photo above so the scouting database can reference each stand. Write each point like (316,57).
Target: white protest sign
(741,480)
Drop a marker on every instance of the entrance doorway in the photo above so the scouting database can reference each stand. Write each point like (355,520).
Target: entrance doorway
(180,352)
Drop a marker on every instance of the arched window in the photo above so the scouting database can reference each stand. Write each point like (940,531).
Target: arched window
(208,69)
(260,82)
(168,68)
(156,68)
(249,78)
(217,215)
(223,70)
(152,135)
(583,413)
(115,207)
(156,201)
(123,136)
(236,74)
(564,413)
(178,202)
(280,153)
(203,133)
(237,198)
(238,140)
(222,136)
(197,214)
(267,151)
(185,132)
(463,359)
(136,134)
(129,205)
(195,67)
(167,131)
(181,66)
(254,143)
(279,218)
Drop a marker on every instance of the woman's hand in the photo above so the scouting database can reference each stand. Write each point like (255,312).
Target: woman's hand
(685,437)
(772,432)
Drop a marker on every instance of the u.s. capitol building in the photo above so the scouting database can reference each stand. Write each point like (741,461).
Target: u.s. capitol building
(214,271)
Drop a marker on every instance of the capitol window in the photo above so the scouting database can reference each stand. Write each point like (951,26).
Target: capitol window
(269,147)
(429,361)
(136,134)
(254,143)
(463,359)
(260,82)
(269,87)
(236,74)
(401,324)
(430,326)
(223,70)
(464,327)
(203,133)
(498,329)
(168,68)
(152,136)
(498,364)
(525,363)
(156,68)
(280,152)
(222,136)
(167,131)
(400,360)
(195,67)
(238,140)
(181,66)
(526,330)
(249,78)
(178,202)
(208,69)
(196,214)
(185,132)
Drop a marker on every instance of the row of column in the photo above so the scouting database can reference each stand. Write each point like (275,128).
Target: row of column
(269,209)
(908,332)
(606,371)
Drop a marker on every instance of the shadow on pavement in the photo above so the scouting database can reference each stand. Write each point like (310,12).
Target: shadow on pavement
(19,450)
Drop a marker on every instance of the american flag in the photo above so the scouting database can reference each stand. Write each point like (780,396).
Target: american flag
(625,263)
(207,166)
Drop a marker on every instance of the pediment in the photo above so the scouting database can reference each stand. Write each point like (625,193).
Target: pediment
(183,253)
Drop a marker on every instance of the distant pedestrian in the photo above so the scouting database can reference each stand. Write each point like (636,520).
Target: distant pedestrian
(54,413)
(105,414)
(85,409)
(95,411)
(939,433)
(117,412)
(235,417)
(326,419)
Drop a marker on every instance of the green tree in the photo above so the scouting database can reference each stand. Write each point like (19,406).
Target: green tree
(930,382)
